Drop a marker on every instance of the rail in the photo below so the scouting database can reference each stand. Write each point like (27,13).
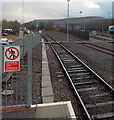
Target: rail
(92,83)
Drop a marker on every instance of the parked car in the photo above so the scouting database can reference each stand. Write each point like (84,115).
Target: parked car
(4,34)
(4,41)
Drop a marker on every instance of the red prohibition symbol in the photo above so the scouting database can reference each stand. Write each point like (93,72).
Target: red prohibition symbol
(13,53)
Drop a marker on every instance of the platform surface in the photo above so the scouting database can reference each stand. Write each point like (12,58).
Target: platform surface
(47,110)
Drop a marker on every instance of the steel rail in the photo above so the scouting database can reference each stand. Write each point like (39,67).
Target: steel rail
(106,51)
(111,88)
(101,47)
(100,38)
(73,85)
(88,115)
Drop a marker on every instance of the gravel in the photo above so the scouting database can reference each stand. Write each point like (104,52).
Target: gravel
(61,86)
(101,63)
(19,82)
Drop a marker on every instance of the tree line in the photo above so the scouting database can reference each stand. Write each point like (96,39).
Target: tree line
(14,25)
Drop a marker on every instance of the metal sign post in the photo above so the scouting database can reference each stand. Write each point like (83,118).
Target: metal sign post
(29,79)
(1,80)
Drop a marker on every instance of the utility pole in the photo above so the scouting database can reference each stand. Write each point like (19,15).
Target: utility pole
(1,59)
(29,77)
(68,22)
(108,21)
(84,23)
(80,20)
(102,24)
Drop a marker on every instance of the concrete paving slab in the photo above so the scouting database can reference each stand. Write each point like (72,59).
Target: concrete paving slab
(45,70)
(47,91)
(46,75)
(56,110)
(44,54)
(19,114)
(10,115)
(46,83)
(45,64)
(50,112)
(49,99)
(44,59)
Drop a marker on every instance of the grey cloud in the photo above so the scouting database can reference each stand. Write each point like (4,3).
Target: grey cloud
(44,10)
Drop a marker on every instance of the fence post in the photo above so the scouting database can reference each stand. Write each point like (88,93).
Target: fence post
(29,78)
(1,79)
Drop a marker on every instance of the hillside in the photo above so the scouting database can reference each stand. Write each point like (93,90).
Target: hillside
(64,21)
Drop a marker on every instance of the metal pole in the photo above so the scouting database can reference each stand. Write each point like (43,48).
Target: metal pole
(108,22)
(29,79)
(68,22)
(102,25)
(99,25)
(84,22)
(1,58)
(80,20)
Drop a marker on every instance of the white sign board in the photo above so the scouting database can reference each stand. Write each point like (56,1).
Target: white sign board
(11,58)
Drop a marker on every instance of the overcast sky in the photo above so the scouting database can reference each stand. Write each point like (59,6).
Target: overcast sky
(27,10)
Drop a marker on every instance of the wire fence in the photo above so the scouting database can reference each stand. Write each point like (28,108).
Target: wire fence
(16,86)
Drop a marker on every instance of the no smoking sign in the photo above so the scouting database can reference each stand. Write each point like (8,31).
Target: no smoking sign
(11,58)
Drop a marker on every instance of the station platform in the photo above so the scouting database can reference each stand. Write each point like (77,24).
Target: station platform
(41,111)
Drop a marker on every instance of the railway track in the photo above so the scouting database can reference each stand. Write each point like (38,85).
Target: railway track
(108,39)
(95,95)
(101,49)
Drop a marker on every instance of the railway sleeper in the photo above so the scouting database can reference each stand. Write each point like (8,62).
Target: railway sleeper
(78,70)
(82,78)
(84,83)
(103,116)
(61,52)
(75,68)
(67,58)
(100,104)
(82,74)
(99,95)
(87,89)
